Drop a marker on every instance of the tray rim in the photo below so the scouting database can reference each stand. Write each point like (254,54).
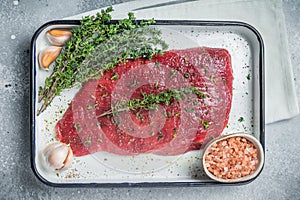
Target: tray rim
(145,184)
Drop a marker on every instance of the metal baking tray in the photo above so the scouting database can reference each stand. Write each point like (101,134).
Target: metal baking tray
(246,48)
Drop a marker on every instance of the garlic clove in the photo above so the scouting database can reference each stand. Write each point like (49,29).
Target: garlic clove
(68,161)
(58,156)
(48,56)
(58,37)
(50,147)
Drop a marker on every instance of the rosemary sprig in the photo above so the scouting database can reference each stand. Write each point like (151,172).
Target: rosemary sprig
(85,56)
(151,101)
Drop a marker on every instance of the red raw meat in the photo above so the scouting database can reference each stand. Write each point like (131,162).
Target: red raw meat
(172,129)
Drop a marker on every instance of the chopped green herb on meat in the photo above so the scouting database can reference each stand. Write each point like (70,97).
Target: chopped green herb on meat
(114,76)
(186,75)
(224,81)
(205,124)
(160,135)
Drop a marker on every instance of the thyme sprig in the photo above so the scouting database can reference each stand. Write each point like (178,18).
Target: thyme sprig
(151,101)
(130,44)
(96,46)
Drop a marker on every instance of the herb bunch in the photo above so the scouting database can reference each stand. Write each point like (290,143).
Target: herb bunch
(130,44)
(151,101)
(95,47)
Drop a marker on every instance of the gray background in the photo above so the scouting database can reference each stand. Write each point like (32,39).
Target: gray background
(280,178)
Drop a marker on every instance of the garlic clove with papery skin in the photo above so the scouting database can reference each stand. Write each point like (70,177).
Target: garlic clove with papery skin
(58,156)
(48,56)
(68,160)
(50,147)
(58,37)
